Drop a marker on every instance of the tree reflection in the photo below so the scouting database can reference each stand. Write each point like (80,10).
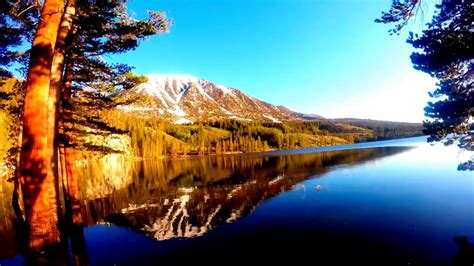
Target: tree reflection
(165,199)
(465,255)
(187,198)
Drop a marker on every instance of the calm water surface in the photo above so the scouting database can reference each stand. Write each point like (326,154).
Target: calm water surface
(397,202)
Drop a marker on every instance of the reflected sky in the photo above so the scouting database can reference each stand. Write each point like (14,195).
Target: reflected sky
(379,206)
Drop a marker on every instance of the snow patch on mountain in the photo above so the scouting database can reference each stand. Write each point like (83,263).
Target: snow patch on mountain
(127,108)
(158,84)
(225,90)
(182,121)
(150,90)
(201,91)
(177,111)
(226,111)
(274,120)
(188,98)
(239,118)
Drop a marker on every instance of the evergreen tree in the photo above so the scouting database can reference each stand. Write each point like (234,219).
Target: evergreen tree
(38,186)
(445,50)
(66,57)
(18,20)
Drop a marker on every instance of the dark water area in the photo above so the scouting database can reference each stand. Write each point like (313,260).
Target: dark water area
(399,202)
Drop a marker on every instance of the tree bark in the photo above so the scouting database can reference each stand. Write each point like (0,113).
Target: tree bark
(73,210)
(78,246)
(38,185)
(73,195)
(71,190)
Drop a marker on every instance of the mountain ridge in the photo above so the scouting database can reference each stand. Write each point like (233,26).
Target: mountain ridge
(184,98)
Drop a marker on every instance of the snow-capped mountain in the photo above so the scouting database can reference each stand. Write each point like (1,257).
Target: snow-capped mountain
(184,99)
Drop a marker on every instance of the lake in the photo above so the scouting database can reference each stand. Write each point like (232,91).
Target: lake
(399,202)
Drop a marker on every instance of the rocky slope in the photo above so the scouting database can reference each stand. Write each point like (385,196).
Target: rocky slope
(185,99)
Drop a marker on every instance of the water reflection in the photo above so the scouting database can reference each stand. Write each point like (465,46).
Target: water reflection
(186,198)
(405,209)
(465,255)
(7,218)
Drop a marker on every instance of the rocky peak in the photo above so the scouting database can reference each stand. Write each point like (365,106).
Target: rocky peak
(185,98)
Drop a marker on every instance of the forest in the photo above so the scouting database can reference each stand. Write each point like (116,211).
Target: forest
(59,109)
(156,137)
(152,137)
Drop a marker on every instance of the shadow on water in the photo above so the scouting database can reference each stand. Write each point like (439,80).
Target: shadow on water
(465,255)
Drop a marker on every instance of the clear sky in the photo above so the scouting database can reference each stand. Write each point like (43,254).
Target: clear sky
(326,57)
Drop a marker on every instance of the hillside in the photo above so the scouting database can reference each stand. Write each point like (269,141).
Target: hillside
(155,137)
(144,128)
(184,99)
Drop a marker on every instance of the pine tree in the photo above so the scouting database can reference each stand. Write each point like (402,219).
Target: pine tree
(38,185)
(100,27)
(445,50)
(18,20)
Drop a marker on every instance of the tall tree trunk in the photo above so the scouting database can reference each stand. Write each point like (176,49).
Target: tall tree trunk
(38,185)
(57,70)
(73,195)
(68,157)
(78,246)
(71,189)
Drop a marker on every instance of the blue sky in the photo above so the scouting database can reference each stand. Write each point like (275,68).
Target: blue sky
(326,57)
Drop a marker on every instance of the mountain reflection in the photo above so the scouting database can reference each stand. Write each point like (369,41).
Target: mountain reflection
(165,199)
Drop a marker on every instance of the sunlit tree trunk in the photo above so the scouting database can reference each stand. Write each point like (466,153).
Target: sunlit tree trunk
(38,185)
(55,83)
(73,195)
(73,209)
(71,188)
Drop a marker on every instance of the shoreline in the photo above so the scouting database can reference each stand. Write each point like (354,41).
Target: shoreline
(277,152)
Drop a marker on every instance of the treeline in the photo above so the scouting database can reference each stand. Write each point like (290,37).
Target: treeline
(383,130)
(153,137)
(11,104)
